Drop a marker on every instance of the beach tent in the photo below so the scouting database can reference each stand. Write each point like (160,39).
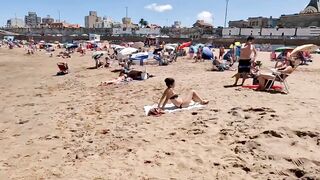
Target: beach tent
(207,53)
(138,57)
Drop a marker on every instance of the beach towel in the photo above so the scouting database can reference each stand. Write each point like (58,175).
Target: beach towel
(170,108)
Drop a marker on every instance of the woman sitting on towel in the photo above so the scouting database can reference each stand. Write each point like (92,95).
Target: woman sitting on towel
(169,94)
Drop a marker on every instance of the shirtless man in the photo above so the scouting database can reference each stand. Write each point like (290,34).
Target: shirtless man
(245,61)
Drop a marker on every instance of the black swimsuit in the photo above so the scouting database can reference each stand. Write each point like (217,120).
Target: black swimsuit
(175,97)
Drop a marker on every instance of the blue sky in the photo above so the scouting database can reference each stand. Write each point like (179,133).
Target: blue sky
(162,12)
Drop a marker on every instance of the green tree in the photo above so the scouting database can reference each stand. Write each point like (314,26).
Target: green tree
(141,22)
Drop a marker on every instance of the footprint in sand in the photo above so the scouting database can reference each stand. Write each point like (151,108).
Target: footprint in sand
(196,131)
(22,121)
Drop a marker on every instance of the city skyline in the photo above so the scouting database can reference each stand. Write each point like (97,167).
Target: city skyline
(163,13)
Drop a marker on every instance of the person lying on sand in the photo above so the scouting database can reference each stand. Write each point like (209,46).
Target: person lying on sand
(169,94)
(122,78)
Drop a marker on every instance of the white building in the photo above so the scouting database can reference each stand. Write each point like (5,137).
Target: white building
(106,22)
(271,32)
(15,23)
(177,24)
(121,31)
(147,31)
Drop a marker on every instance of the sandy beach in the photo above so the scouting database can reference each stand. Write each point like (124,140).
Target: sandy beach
(69,128)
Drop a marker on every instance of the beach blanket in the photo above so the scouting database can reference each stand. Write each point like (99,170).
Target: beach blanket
(170,108)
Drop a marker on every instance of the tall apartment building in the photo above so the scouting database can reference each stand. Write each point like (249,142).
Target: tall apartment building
(32,19)
(91,20)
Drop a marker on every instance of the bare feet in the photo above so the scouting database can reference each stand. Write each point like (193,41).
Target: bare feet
(204,102)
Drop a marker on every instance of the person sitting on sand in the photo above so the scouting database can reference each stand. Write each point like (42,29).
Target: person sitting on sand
(284,70)
(169,94)
(247,50)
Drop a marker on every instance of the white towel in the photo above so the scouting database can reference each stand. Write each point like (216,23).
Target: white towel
(170,108)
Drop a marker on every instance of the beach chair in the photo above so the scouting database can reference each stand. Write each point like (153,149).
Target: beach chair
(281,78)
(63,67)
(278,78)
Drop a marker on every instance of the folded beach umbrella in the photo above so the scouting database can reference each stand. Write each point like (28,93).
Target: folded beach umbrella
(207,53)
(138,45)
(281,49)
(128,51)
(306,47)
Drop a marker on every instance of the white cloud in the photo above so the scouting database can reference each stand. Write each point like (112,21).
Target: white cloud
(206,16)
(159,7)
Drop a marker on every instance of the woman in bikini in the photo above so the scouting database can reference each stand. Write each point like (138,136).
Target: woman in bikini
(285,69)
(169,94)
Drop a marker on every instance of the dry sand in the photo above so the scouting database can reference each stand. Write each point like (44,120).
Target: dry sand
(69,128)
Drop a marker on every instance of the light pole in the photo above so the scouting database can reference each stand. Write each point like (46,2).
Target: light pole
(226,14)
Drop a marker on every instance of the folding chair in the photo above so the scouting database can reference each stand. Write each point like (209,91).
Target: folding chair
(278,78)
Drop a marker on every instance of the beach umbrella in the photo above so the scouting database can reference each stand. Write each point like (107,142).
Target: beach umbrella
(138,45)
(306,47)
(128,51)
(207,53)
(186,44)
(281,49)
(237,43)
